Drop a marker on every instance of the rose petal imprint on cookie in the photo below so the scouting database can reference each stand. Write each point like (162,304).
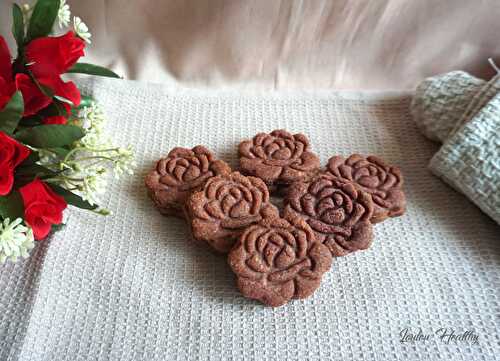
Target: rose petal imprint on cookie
(278,260)
(338,213)
(278,157)
(225,206)
(371,174)
(182,171)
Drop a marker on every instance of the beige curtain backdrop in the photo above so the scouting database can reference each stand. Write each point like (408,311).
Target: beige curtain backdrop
(342,44)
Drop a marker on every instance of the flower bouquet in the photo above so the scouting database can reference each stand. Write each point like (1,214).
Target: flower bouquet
(53,152)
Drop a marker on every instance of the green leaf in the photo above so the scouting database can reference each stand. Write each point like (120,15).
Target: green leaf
(18,25)
(12,113)
(61,152)
(31,121)
(91,69)
(71,198)
(58,227)
(27,172)
(50,136)
(32,159)
(43,18)
(12,206)
(33,171)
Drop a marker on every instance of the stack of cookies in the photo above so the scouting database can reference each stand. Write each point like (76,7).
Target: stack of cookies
(277,254)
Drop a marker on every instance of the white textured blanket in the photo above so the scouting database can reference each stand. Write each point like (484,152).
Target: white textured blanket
(132,286)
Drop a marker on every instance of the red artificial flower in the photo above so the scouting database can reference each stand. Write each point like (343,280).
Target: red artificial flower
(42,207)
(47,59)
(34,99)
(12,153)
(49,56)
(7,87)
(55,120)
(66,90)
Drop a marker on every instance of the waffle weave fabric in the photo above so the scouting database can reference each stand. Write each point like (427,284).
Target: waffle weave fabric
(470,159)
(441,101)
(463,113)
(134,287)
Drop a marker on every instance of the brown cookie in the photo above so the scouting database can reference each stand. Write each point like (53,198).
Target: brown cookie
(183,170)
(225,206)
(371,174)
(278,158)
(336,210)
(278,260)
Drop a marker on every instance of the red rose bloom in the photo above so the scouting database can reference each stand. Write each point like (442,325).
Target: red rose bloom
(49,57)
(55,120)
(54,55)
(7,87)
(34,99)
(12,153)
(66,90)
(42,207)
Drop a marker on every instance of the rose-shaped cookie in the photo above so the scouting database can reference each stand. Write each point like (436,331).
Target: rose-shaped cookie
(225,206)
(183,170)
(371,174)
(336,210)
(279,158)
(278,260)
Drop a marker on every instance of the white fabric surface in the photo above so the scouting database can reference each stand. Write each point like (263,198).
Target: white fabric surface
(132,286)
(363,44)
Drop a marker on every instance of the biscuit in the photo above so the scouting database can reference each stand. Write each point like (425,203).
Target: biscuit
(227,204)
(278,260)
(337,211)
(182,171)
(278,158)
(371,174)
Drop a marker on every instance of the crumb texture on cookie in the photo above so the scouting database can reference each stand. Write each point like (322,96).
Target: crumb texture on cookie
(279,260)
(225,206)
(278,157)
(371,174)
(182,171)
(337,211)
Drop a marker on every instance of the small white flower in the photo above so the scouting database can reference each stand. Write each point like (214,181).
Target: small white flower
(26,10)
(16,240)
(64,14)
(94,185)
(124,163)
(46,157)
(81,29)
(86,168)
(92,120)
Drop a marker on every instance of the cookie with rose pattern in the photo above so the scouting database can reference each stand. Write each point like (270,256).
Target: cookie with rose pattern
(338,212)
(180,172)
(383,182)
(279,158)
(279,259)
(227,204)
